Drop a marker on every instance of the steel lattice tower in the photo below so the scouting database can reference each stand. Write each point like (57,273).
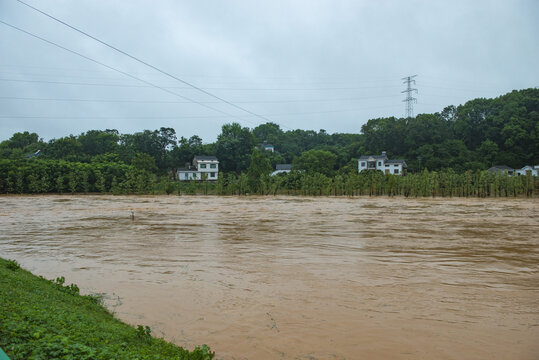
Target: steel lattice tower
(410,100)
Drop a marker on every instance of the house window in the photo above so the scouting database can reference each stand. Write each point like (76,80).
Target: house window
(387,165)
(363,164)
(379,163)
(213,166)
(202,166)
(396,171)
(212,174)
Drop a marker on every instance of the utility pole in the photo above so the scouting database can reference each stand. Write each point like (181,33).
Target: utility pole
(410,100)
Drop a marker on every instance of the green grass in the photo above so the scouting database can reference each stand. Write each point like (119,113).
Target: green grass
(43,319)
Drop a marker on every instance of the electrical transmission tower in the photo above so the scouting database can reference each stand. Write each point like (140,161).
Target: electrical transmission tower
(410,100)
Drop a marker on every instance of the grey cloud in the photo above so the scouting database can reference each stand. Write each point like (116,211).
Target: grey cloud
(331,64)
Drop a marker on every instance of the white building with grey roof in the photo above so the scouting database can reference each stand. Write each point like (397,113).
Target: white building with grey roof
(202,168)
(282,168)
(528,169)
(533,170)
(382,163)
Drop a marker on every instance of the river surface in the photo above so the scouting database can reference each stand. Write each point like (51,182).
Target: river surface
(296,277)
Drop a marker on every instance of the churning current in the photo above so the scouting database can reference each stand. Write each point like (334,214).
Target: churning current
(297,277)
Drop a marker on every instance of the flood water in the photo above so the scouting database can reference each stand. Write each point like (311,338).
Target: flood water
(295,277)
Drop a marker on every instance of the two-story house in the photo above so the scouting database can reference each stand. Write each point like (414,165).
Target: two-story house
(382,163)
(202,167)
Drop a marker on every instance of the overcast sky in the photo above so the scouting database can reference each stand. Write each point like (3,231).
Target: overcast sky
(309,64)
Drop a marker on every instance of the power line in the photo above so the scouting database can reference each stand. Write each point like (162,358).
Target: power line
(78,83)
(100,100)
(209,88)
(349,78)
(186,102)
(183,117)
(144,63)
(306,82)
(119,71)
(110,117)
(409,99)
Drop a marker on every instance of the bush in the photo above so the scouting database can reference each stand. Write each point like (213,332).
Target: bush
(12,265)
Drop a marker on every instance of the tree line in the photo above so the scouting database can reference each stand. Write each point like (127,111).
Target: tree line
(58,176)
(467,138)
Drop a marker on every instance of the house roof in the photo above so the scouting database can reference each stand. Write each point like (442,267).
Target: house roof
(396,161)
(376,157)
(500,168)
(283,167)
(204,158)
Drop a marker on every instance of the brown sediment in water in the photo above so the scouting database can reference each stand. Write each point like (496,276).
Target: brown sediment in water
(294,277)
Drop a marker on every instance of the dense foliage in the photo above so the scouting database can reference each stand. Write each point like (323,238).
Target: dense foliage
(58,176)
(474,136)
(427,183)
(42,319)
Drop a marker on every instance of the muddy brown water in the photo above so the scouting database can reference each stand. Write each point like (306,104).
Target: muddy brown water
(298,278)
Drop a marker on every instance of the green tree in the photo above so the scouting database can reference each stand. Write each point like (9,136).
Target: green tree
(488,152)
(144,162)
(319,161)
(95,142)
(258,167)
(234,146)
(68,148)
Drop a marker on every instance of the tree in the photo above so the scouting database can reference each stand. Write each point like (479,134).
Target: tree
(384,134)
(187,149)
(259,167)
(95,142)
(318,161)
(155,143)
(269,132)
(68,148)
(488,152)
(233,147)
(144,162)
(22,140)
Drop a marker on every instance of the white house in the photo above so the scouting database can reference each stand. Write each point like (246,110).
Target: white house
(268,147)
(203,167)
(382,163)
(525,169)
(282,168)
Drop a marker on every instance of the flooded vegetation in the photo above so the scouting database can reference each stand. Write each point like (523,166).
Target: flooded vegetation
(298,277)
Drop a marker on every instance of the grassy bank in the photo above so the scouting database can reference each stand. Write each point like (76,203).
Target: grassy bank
(44,319)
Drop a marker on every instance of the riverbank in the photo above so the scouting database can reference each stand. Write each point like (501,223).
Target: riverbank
(45,319)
